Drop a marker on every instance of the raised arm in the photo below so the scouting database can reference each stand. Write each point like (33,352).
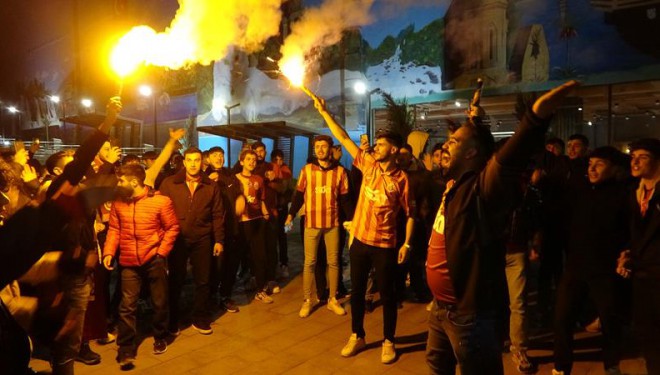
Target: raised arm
(336,129)
(164,157)
(112,112)
(502,174)
(75,171)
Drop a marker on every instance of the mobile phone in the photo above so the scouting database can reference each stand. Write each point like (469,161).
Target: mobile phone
(19,146)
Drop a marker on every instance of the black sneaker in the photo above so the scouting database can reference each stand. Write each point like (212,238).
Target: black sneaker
(126,361)
(229,305)
(203,328)
(160,346)
(87,356)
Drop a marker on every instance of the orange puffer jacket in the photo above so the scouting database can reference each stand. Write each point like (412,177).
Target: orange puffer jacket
(141,228)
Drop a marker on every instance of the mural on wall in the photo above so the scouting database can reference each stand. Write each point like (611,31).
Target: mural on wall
(418,50)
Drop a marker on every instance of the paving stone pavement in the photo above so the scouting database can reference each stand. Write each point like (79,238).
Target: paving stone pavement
(272,339)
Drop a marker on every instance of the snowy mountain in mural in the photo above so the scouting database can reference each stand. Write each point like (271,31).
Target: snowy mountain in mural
(404,80)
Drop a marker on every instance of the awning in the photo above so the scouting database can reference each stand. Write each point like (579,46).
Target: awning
(95,119)
(251,131)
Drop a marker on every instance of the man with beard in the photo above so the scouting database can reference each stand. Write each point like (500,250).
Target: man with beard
(144,228)
(383,194)
(322,188)
(466,253)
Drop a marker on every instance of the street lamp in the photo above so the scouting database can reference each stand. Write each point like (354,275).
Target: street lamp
(54,99)
(13,110)
(361,89)
(146,91)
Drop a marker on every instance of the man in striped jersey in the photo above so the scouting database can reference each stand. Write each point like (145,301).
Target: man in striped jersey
(383,193)
(252,221)
(322,187)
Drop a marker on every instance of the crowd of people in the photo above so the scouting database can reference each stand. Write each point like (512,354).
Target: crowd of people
(466,226)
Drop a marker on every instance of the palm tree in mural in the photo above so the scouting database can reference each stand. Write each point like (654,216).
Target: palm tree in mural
(400,119)
(566,33)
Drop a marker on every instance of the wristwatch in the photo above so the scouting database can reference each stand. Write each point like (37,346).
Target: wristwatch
(406,245)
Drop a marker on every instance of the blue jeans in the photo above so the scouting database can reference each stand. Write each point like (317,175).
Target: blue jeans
(471,341)
(76,289)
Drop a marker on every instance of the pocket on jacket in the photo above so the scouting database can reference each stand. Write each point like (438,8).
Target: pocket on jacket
(461,320)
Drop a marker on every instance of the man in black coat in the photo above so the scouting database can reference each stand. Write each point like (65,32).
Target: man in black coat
(199,208)
(642,261)
(598,215)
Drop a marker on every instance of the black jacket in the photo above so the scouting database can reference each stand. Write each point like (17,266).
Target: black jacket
(200,216)
(598,228)
(477,208)
(645,237)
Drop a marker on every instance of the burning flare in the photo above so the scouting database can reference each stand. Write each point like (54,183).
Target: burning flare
(320,27)
(293,69)
(201,32)
(130,52)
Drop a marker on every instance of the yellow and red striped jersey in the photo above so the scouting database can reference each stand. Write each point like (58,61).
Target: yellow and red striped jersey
(321,188)
(382,195)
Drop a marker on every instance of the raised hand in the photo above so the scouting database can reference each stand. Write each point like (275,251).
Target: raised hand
(28,173)
(114,155)
(177,134)
(113,109)
(545,106)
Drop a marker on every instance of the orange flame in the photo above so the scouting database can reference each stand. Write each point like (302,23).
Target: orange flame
(293,68)
(131,50)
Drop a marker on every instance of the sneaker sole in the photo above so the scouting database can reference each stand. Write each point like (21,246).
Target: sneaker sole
(354,352)
(89,362)
(388,362)
(160,352)
(336,312)
(127,366)
(203,331)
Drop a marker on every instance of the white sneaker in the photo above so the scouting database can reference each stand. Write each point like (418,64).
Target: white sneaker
(307,307)
(263,297)
(334,306)
(388,355)
(353,346)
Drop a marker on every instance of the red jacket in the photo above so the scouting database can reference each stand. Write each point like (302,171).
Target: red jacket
(142,228)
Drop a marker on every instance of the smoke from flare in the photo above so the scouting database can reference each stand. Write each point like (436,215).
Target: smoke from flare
(201,32)
(322,27)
